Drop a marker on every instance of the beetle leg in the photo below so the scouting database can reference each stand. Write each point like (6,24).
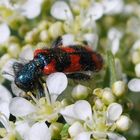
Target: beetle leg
(40,90)
(78,76)
(57,42)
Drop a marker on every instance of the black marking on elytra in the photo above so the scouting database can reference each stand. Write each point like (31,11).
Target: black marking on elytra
(85,58)
(62,59)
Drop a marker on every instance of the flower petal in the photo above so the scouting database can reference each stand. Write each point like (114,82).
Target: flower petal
(21,107)
(83,136)
(63,9)
(4,108)
(95,12)
(5,95)
(92,39)
(23,129)
(134,85)
(112,6)
(31,9)
(114,111)
(114,136)
(68,39)
(16,91)
(4,32)
(83,110)
(69,114)
(7,70)
(57,82)
(39,131)
(26,53)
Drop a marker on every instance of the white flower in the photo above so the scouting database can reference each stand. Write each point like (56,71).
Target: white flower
(4,33)
(61,10)
(31,9)
(114,36)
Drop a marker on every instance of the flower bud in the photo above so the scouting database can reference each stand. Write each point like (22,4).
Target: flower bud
(137,70)
(4,59)
(75,129)
(55,30)
(79,92)
(14,49)
(107,96)
(123,123)
(98,92)
(119,88)
(44,35)
(99,104)
(135,57)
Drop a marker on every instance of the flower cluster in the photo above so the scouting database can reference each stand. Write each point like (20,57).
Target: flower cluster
(95,109)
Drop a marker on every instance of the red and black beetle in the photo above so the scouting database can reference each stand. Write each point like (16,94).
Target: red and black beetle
(68,59)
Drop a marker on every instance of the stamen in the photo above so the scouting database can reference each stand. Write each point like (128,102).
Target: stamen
(34,99)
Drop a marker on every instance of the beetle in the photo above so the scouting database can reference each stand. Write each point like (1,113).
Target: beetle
(68,59)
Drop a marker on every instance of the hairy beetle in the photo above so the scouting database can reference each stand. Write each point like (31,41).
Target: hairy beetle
(59,58)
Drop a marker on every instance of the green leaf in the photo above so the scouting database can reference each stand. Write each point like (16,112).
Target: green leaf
(64,133)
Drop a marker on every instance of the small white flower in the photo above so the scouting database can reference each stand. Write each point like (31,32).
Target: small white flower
(60,10)
(114,36)
(31,9)
(4,32)
(134,85)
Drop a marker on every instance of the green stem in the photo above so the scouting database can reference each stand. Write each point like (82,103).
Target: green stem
(111,66)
